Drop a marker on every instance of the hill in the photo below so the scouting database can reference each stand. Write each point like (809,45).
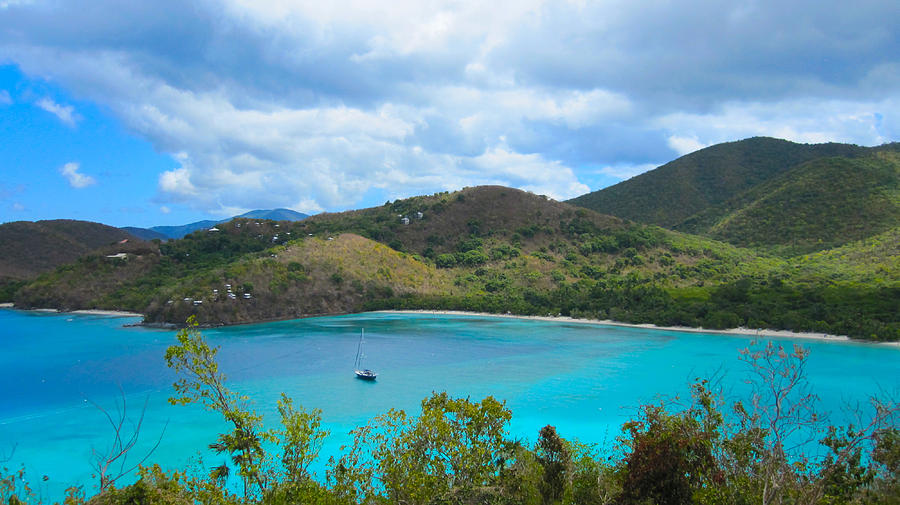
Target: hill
(30,248)
(179,231)
(763,192)
(489,249)
(681,188)
(820,204)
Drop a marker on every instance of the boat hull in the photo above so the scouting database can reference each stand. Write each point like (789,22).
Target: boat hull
(366,375)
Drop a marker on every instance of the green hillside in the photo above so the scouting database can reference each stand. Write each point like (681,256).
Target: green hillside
(489,249)
(28,249)
(820,204)
(674,192)
(765,193)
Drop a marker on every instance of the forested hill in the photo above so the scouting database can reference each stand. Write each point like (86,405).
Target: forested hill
(820,204)
(734,191)
(489,249)
(30,248)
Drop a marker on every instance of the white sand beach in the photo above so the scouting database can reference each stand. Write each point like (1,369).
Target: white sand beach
(753,332)
(113,313)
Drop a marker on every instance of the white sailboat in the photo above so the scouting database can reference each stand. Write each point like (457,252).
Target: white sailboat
(362,373)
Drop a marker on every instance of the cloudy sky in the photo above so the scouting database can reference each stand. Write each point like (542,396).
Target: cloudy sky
(165,112)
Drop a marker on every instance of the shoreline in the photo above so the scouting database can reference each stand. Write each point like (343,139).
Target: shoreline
(746,332)
(89,312)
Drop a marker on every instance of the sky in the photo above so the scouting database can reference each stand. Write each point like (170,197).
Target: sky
(165,112)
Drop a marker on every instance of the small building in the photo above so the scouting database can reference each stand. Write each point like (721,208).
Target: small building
(404,220)
(213,229)
(117,256)
(419,215)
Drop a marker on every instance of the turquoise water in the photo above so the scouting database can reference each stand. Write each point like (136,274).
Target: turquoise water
(584,379)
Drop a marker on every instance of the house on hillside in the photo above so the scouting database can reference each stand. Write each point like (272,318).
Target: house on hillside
(213,229)
(404,220)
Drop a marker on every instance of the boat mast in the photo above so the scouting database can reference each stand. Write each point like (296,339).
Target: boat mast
(359,348)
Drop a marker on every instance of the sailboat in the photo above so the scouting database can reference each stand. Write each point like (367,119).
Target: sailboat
(362,373)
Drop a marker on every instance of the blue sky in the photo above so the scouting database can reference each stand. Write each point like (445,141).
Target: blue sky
(168,112)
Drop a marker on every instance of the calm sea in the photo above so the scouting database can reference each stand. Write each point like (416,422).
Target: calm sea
(584,379)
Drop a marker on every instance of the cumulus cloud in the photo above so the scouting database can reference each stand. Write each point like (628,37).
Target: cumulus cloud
(76,179)
(65,113)
(311,105)
(685,145)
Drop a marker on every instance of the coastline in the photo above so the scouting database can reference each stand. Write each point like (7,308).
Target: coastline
(748,332)
(91,312)
(745,332)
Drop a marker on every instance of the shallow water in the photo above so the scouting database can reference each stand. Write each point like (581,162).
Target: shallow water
(584,379)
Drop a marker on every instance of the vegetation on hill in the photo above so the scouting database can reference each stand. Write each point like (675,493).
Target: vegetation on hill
(783,197)
(672,193)
(770,447)
(28,249)
(487,249)
(818,205)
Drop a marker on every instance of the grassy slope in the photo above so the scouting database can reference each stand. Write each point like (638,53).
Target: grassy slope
(679,189)
(305,277)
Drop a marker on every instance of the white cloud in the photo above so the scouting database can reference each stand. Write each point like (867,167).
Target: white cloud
(18,207)
(626,171)
(65,113)
(802,120)
(165,210)
(5,99)
(5,4)
(685,145)
(312,105)
(76,180)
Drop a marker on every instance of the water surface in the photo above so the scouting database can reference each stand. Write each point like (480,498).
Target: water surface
(584,379)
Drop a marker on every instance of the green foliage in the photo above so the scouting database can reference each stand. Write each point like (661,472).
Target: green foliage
(458,452)
(301,439)
(193,360)
(452,450)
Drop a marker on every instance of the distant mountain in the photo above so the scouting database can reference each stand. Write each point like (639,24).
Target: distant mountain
(28,249)
(185,229)
(145,233)
(274,215)
(167,232)
(796,198)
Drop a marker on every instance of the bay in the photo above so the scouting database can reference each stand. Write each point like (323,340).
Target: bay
(585,379)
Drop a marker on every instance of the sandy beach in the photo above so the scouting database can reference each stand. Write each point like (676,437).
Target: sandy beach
(752,332)
(113,313)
